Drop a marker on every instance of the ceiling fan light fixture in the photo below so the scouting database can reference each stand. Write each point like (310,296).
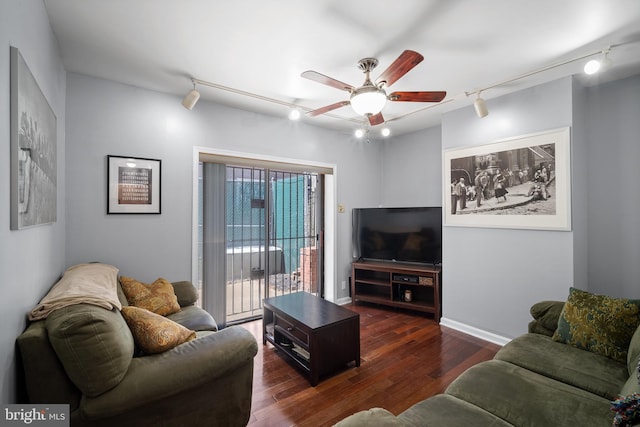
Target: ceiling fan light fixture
(368,100)
(189,101)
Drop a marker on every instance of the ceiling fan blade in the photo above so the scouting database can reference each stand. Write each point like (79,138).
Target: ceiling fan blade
(436,96)
(327,108)
(401,66)
(376,119)
(325,80)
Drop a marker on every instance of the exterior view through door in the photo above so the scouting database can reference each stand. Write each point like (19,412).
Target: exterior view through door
(271,238)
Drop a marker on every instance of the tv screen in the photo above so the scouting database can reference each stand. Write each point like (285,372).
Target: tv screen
(412,235)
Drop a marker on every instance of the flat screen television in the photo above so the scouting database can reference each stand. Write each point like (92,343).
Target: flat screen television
(409,235)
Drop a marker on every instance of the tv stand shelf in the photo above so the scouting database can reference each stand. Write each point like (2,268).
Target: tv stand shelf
(387,283)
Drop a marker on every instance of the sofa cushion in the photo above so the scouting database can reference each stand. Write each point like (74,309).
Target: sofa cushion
(371,417)
(157,297)
(446,410)
(186,293)
(94,345)
(525,398)
(598,323)
(580,368)
(154,333)
(194,318)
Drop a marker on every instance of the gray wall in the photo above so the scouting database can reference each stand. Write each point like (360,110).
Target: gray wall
(613,112)
(492,276)
(412,169)
(105,117)
(31,259)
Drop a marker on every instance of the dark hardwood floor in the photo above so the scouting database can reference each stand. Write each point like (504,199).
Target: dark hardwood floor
(405,357)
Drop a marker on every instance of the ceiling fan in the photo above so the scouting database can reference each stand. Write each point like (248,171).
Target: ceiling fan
(369,99)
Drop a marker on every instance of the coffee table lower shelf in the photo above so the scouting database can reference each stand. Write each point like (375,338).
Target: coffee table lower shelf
(297,353)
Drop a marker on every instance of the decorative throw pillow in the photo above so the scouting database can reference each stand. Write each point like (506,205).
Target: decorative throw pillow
(94,345)
(153,333)
(598,323)
(157,297)
(627,410)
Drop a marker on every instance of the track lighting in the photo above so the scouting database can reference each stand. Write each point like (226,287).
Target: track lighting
(189,101)
(598,65)
(294,114)
(481,107)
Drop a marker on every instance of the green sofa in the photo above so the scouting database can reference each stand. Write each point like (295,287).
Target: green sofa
(95,368)
(533,380)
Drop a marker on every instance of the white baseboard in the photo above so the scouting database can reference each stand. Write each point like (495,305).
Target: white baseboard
(343,301)
(473,331)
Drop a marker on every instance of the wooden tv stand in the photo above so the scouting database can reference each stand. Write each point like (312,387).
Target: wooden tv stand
(386,282)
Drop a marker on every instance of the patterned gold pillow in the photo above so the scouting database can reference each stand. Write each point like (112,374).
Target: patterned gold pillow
(153,333)
(157,297)
(598,323)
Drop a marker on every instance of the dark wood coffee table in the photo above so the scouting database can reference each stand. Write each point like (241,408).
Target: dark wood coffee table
(317,335)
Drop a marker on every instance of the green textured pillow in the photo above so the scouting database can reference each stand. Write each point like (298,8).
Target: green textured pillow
(94,345)
(598,323)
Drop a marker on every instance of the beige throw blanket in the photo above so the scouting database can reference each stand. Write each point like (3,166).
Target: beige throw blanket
(94,283)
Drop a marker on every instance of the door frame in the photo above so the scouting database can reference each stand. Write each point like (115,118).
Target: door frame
(260,160)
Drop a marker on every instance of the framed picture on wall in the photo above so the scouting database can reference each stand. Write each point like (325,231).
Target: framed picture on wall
(33,155)
(520,182)
(133,185)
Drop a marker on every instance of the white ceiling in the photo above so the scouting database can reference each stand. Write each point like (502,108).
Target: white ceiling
(261,47)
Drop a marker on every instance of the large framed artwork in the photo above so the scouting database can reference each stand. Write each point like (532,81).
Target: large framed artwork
(521,182)
(133,185)
(33,194)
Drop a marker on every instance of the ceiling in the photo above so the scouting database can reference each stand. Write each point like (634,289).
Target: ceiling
(255,50)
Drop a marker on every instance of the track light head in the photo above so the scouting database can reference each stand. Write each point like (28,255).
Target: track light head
(189,101)
(598,65)
(481,107)
(294,114)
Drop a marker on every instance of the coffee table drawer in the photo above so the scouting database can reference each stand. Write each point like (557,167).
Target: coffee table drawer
(291,329)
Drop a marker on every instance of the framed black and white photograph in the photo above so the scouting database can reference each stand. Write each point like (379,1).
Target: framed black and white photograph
(33,144)
(133,185)
(520,182)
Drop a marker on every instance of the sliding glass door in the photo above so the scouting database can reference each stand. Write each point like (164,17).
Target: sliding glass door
(271,239)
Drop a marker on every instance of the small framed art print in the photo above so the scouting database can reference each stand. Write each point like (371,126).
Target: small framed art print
(133,185)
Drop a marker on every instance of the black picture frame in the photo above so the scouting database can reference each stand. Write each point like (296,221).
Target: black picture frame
(134,185)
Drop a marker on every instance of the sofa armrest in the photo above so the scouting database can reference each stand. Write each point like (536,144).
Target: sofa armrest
(159,377)
(186,293)
(545,315)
